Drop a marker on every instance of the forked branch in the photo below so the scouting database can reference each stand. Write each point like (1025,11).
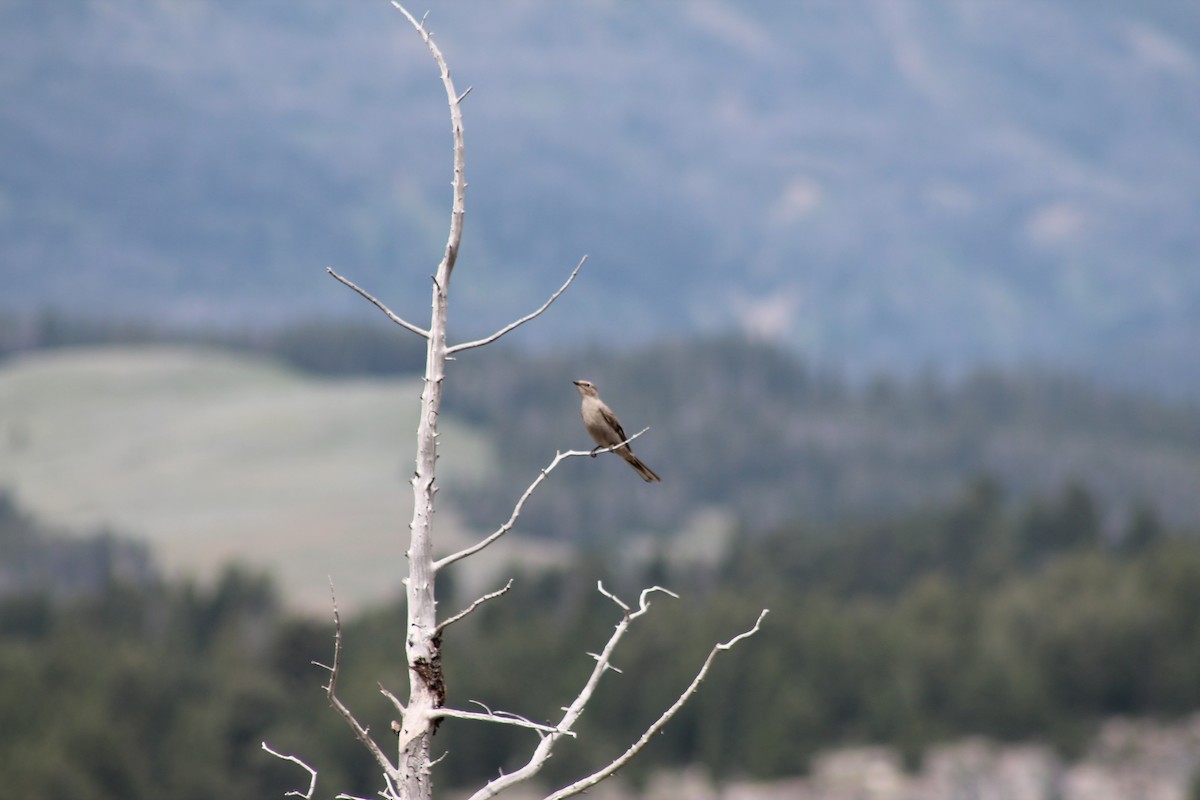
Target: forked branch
(572,712)
(584,784)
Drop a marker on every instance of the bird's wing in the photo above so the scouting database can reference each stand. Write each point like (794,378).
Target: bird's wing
(612,420)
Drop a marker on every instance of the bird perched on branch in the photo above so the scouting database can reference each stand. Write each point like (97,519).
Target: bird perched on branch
(606,429)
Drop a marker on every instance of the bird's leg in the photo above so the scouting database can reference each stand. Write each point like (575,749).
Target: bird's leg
(594,449)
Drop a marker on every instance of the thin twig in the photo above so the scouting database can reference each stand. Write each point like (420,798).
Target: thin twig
(514,325)
(359,729)
(445,561)
(502,717)
(620,603)
(591,780)
(644,599)
(379,304)
(312,773)
(478,602)
(596,657)
(383,690)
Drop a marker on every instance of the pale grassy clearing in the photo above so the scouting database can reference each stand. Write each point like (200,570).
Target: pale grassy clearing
(213,457)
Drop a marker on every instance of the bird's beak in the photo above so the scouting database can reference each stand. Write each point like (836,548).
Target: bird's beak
(576,382)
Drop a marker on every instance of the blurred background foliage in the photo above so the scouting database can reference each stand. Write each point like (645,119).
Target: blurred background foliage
(981,616)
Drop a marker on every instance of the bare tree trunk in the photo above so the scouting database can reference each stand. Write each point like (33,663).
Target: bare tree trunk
(423,641)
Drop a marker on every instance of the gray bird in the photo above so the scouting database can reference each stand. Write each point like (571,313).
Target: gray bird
(606,430)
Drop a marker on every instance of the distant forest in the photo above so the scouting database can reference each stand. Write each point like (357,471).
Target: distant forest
(967,618)
(743,427)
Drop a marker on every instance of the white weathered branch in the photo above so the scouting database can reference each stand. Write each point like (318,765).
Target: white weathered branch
(559,457)
(514,325)
(383,690)
(312,773)
(419,331)
(478,602)
(572,712)
(591,780)
(501,717)
(360,730)
(643,598)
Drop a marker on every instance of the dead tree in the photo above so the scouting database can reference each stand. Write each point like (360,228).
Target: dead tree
(407,773)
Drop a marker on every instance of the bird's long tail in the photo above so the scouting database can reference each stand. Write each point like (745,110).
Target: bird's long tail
(647,474)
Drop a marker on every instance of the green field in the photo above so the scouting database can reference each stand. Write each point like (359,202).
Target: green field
(212,457)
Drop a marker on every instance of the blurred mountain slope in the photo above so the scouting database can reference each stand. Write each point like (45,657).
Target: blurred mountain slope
(879,183)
